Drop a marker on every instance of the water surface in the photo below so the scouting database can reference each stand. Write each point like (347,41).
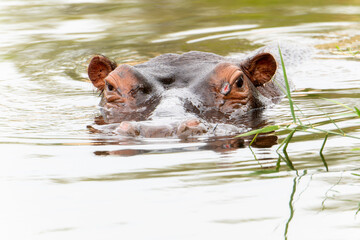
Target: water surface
(59,180)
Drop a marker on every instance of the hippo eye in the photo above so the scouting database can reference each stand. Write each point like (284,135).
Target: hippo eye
(109,86)
(240,82)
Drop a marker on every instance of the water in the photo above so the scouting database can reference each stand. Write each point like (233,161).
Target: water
(58,180)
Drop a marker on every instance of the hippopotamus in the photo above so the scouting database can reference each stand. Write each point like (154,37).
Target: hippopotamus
(182,94)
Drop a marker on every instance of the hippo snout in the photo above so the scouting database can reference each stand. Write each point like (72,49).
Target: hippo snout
(188,128)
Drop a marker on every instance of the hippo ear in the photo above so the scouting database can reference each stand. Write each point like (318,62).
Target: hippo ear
(260,68)
(99,67)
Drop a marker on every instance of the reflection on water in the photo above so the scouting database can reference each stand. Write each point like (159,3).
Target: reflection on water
(216,144)
(61,180)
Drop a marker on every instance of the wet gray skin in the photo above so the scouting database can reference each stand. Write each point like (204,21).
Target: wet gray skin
(183,95)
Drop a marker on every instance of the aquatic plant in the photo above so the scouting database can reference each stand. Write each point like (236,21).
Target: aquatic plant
(348,51)
(298,126)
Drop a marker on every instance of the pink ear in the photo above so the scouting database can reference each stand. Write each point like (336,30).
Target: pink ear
(99,67)
(261,68)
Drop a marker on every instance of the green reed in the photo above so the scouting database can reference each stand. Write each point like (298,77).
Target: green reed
(348,51)
(298,126)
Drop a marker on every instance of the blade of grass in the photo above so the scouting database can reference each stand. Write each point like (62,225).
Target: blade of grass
(323,145)
(253,139)
(331,120)
(305,128)
(254,156)
(262,130)
(338,103)
(287,160)
(321,153)
(341,131)
(287,87)
(298,109)
(357,111)
(281,144)
(288,139)
(284,91)
(278,165)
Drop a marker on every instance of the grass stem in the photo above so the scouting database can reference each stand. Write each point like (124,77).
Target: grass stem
(288,92)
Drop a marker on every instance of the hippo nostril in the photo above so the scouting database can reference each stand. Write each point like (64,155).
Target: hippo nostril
(190,127)
(127,128)
(193,122)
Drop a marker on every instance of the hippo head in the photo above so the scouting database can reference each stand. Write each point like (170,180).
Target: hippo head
(232,89)
(221,86)
(126,93)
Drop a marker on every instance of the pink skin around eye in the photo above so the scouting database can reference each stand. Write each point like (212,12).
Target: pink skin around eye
(226,89)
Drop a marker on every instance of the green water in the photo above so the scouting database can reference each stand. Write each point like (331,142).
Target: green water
(60,181)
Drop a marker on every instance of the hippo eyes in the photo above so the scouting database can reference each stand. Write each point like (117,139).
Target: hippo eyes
(227,86)
(109,86)
(240,82)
